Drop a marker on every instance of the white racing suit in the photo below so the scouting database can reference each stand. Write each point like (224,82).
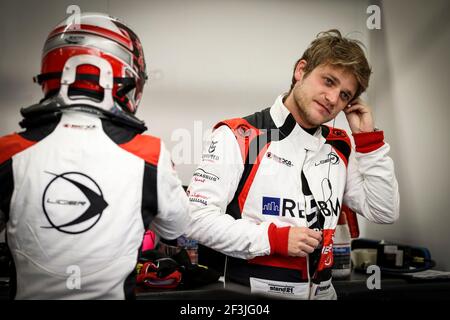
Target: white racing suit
(262,174)
(77,195)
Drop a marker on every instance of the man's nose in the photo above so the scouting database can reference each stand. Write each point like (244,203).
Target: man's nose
(332,96)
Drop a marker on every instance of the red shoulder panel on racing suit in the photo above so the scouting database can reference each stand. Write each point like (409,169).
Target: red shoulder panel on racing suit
(145,147)
(13,144)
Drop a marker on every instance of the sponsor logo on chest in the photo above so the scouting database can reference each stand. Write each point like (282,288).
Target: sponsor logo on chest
(281,160)
(284,207)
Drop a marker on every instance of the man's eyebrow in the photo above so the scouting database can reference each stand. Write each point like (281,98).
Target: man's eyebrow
(337,81)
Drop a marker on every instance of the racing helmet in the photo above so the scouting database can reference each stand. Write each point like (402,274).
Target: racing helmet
(95,60)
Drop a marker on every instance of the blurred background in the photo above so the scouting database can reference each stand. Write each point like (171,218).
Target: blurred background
(213,60)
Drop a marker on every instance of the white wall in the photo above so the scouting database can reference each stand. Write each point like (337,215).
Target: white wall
(410,88)
(214,59)
(221,59)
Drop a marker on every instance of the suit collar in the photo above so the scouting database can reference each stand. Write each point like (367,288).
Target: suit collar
(285,121)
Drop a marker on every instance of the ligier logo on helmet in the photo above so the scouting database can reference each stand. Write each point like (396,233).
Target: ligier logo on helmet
(72,202)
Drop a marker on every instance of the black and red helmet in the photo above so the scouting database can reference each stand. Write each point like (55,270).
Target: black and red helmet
(84,45)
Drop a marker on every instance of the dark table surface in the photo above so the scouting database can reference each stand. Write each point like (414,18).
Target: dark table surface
(355,288)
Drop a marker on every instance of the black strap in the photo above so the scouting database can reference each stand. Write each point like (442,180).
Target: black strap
(81,76)
(46,76)
(46,113)
(127,87)
(128,84)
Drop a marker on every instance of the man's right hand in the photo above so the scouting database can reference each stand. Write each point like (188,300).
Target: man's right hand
(303,241)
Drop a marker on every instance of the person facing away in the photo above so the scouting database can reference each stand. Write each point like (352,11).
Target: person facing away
(81,184)
(270,186)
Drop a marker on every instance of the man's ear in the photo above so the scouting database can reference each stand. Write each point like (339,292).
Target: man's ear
(300,70)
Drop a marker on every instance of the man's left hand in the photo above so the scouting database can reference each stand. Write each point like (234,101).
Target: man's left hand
(359,116)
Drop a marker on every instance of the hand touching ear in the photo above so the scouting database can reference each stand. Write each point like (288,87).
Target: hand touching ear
(359,116)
